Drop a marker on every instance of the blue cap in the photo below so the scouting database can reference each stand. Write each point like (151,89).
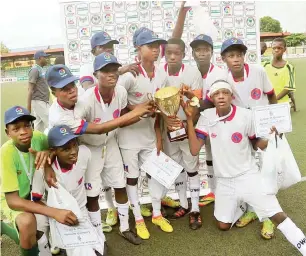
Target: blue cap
(59,135)
(202,38)
(39,54)
(17,112)
(139,31)
(104,59)
(148,37)
(58,76)
(101,38)
(233,41)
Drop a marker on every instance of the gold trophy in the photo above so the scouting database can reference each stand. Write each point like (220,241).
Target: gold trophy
(167,101)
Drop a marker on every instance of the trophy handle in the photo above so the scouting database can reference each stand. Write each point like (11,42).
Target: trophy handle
(150,97)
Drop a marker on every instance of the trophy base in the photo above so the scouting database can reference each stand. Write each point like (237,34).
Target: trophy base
(177,135)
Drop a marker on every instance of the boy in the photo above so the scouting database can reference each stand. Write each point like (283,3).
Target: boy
(281,73)
(93,116)
(17,169)
(137,141)
(178,74)
(232,137)
(254,89)
(70,165)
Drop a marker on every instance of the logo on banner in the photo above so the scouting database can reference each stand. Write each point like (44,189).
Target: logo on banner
(108,17)
(155,3)
(252,56)
(169,24)
(73,46)
(96,19)
(228,33)
(227,10)
(250,22)
(237,137)
(84,32)
(118,6)
(143,5)
(133,28)
(107,6)
(256,94)
(217,23)
(69,9)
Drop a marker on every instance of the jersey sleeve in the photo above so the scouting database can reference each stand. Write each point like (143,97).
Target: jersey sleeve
(9,179)
(267,86)
(38,186)
(291,78)
(77,125)
(127,81)
(42,140)
(86,74)
(33,75)
(201,128)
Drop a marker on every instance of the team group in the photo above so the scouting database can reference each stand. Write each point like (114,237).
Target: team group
(100,134)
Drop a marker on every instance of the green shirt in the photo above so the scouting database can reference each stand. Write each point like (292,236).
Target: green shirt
(13,174)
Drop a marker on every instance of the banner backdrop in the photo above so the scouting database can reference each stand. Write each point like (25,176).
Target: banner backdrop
(120,19)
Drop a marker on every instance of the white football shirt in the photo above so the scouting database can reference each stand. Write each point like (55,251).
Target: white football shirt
(230,141)
(141,134)
(72,180)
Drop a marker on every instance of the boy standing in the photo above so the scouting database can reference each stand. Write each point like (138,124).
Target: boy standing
(17,169)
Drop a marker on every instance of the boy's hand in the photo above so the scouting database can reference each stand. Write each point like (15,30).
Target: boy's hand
(185,8)
(41,157)
(66,217)
(133,68)
(273,129)
(50,177)
(144,108)
(172,122)
(186,91)
(159,146)
(188,109)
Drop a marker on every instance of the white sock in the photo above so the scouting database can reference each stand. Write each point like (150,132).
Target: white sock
(156,205)
(211,178)
(43,246)
(132,192)
(123,212)
(181,189)
(194,186)
(109,197)
(95,218)
(156,192)
(293,234)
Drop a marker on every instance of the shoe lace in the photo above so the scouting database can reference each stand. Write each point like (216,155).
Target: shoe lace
(141,226)
(268,225)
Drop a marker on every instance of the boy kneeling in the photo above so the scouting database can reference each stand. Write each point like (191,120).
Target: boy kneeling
(238,179)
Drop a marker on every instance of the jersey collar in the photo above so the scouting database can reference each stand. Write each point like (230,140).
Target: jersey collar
(99,97)
(212,66)
(246,73)
(57,166)
(176,74)
(231,116)
(61,105)
(144,73)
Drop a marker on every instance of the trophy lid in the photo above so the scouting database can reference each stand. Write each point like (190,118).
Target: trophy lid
(166,92)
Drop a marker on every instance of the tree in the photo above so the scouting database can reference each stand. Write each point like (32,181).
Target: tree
(268,24)
(295,39)
(3,49)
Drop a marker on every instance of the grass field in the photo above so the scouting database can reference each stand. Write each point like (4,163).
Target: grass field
(207,241)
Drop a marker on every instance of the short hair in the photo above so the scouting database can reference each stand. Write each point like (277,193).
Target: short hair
(280,40)
(178,42)
(59,60)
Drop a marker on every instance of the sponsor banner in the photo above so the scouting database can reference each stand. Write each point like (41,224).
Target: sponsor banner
(8,79)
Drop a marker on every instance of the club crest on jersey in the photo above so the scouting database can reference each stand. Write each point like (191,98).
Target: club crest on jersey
(256,94)
(97,120)
(19,111)
(236,137)
(63,131)
(213,135)
(116,113)
(80,181)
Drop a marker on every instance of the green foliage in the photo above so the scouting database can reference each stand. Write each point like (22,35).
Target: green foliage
(268,24)
(295,39)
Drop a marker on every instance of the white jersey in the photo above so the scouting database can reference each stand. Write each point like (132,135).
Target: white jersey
(255,87)
(96,111)
(72,180)
(86,73)
(141,134)
(59,115)
(230,141)
(187,75)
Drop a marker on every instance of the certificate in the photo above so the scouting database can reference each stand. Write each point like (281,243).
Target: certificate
(81,235)
(278,115)
(162,168)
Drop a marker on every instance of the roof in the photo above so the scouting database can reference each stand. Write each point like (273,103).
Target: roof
(27,53)
(269,34)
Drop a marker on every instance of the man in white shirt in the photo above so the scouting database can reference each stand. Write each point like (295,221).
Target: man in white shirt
(80,116)
(178,74)
(138,141)
(238,179)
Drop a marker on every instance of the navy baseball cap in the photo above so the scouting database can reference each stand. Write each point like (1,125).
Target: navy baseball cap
(233,41)
(39,54)
(148,37)
(59,135)
(138,32)
(101,38)
(104,59)
(15,113)
(202,38)
(58,76)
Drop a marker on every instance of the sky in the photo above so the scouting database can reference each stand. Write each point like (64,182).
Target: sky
(37,22)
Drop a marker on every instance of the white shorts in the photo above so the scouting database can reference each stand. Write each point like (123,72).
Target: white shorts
(232,192)
(107,171)
(40,110)
(133,160)
(179,151)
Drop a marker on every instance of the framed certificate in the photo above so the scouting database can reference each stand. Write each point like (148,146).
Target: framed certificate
(278,115)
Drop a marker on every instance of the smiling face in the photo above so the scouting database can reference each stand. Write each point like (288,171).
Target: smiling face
(20,132)
(68,154)
(222,99)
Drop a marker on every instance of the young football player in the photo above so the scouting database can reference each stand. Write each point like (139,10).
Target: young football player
(18,164)
(139,140)
(99,116)
(232,135)
(70,166)
(281,73)
(254,88)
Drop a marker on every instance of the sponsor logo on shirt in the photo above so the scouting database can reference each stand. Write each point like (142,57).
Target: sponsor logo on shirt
(138,94)
(88,186)
(80,181)
(236,137)
(256,94)
(97,120)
